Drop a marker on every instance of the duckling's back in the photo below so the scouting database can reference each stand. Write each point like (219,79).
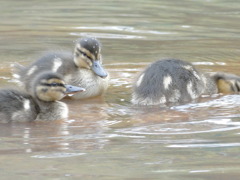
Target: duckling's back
(59,62)
(170,80)
(17,107)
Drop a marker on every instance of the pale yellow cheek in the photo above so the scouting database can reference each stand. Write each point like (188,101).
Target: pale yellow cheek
(83,63)
(55,95)
(223,86)
(50,94)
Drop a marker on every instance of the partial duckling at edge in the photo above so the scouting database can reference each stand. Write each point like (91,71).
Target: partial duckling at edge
(40,104)
(176,81)
(82,68)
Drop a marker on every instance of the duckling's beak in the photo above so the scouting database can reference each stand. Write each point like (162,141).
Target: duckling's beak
(98,69)
(73,89)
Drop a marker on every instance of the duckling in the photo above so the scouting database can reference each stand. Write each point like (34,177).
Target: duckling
(40,104)
(226,82)
(82,68)
(176,81)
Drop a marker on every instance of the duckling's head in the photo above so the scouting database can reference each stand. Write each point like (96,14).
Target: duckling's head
(87,54)
(50,86)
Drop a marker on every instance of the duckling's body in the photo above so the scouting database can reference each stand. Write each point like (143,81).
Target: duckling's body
(83,68)
(42,102)
(17,106)
(171,81)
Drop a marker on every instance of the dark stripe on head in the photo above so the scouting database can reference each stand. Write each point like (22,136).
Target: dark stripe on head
(83,53)
(53,84)
(91,44)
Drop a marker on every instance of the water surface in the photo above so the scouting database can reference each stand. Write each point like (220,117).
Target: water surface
(109,138)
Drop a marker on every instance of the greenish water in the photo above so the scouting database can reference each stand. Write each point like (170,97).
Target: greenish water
(109,138)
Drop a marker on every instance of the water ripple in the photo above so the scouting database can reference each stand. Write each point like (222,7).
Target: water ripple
(183,128)
(227,102)
(58,155)
(204,145)
(108,35)
(124,28)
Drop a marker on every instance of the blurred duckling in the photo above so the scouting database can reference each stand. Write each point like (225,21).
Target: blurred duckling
(176,81)
(226,82)
(40,104)
(82,68)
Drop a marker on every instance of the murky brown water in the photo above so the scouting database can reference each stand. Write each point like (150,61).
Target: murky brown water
(109,138)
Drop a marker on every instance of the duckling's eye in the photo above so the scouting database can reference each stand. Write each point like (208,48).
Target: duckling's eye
(56,84)
(84,54)
(53,84)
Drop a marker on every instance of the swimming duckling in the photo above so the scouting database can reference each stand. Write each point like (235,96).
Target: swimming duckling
(42,102)
(83,68)
(226,82)
(172,80)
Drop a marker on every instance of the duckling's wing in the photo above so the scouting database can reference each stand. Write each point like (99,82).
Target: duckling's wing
(17,70)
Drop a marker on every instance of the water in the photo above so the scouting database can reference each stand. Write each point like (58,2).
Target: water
(108,138)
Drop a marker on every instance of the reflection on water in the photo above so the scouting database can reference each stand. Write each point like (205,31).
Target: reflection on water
(108,137)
